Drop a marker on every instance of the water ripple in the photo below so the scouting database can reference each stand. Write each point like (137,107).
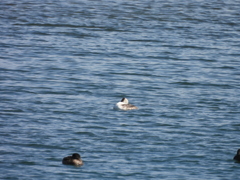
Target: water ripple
(65,64)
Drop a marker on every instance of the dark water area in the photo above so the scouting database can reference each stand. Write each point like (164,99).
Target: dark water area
(65,64)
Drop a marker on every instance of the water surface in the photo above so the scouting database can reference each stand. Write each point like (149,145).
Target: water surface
(64,64)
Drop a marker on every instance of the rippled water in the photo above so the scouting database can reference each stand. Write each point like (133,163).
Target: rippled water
(64,64)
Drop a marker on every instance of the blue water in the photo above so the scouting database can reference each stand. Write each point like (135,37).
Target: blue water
(64,64)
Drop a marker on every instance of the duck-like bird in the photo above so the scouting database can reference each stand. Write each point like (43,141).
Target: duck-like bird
(75,160)
(124,105)
(237,156)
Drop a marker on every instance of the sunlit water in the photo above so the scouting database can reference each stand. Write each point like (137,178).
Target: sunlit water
(64,64)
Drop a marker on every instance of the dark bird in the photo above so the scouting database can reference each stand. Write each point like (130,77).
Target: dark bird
(237,156)
(75,159)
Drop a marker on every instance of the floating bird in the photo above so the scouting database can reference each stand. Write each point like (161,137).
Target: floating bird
(237,156)
(124,105)
(75,159)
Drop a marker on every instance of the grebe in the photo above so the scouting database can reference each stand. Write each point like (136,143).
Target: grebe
(124,105)
(237,156)
(75,159)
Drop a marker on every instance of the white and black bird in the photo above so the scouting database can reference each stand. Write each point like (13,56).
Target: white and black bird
(124,105)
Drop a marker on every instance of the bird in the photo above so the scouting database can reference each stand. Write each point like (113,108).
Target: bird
(237,156)
(124,105)
(75,159)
